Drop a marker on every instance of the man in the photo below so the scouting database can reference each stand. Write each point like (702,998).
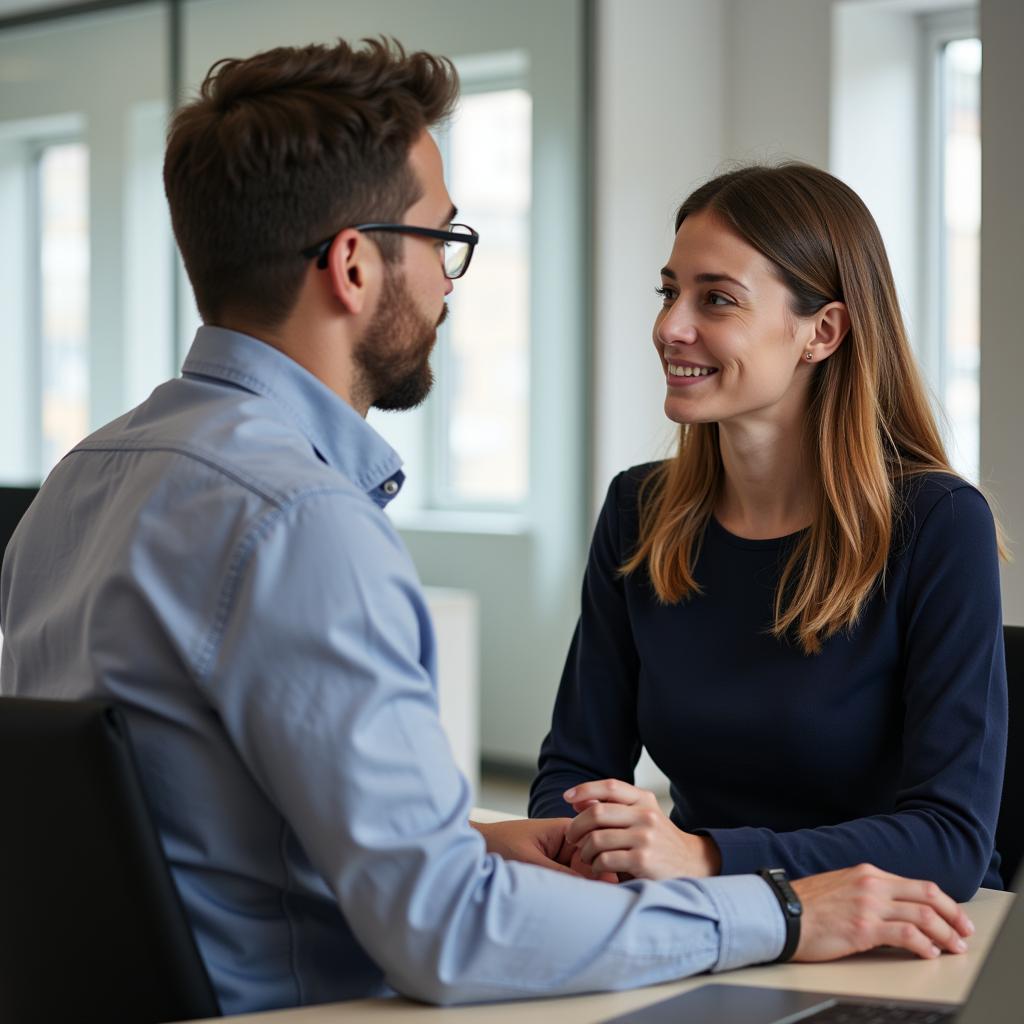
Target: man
(219,562)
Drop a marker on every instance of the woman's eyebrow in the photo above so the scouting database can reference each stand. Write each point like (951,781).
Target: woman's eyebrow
(715,277)
(706,278)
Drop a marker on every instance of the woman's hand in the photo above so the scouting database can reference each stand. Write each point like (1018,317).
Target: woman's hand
(623,829)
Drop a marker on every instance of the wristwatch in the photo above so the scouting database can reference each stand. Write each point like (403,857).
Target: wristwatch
(792,908)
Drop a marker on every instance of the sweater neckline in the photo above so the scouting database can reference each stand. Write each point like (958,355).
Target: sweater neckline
(717,530)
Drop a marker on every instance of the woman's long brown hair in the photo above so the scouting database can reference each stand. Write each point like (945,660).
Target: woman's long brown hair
(869,425)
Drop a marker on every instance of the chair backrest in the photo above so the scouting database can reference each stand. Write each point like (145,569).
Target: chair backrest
(1010,830)
(91,924)
(14,503)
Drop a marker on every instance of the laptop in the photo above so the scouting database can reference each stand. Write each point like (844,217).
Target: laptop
(997,996)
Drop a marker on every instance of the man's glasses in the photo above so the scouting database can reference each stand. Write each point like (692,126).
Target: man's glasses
(459,244)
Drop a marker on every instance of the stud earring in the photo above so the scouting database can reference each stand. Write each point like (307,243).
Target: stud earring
(808,356)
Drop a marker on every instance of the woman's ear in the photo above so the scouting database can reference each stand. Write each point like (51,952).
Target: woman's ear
(831,326)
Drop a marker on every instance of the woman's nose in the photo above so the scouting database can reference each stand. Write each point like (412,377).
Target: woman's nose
(676,326)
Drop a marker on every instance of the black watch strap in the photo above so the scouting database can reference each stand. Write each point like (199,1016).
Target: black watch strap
(791,906)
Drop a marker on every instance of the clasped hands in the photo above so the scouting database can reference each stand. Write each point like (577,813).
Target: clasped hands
(621,832)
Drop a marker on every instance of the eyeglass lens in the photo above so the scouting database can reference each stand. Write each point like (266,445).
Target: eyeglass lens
(456,256)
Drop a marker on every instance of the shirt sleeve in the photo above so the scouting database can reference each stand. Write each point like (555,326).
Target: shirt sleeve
(943,824)
(594,732)
(320,668)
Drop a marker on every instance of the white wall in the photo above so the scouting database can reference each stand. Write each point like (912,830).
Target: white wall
(1002,237)
(777,63)
(659,120)
(875,57)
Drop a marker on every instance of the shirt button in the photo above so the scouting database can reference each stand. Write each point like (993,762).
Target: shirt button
(390,488)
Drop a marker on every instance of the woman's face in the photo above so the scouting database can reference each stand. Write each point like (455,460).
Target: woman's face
(728,342)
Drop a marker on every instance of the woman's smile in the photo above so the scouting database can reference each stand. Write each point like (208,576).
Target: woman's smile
(682,375)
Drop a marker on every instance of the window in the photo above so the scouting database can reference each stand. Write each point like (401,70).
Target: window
(907,86)
(470,442)
(62,189)
(959,215)
(482,406)
(85,251)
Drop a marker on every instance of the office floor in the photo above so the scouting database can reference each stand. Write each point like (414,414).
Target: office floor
(502,792)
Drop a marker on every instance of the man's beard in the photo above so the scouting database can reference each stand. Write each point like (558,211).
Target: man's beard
(393,356)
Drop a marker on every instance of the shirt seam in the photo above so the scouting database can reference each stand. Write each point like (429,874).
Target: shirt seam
(243,550)
(197,455)
(286,889)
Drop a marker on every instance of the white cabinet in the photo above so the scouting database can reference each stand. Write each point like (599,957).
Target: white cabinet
(456,617)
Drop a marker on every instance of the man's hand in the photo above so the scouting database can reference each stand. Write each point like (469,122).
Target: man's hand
(856,909)
(534,841)
(622,828)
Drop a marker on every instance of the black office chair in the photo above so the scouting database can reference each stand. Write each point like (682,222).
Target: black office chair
(1010,829)
(14,503)
(91,925)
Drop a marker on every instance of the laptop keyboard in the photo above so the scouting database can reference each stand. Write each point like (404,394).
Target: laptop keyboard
(860,1013)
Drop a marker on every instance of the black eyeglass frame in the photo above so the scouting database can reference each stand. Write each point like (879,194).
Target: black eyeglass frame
(469,237)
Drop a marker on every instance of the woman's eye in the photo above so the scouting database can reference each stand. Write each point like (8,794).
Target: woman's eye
(667,294)
(718,299)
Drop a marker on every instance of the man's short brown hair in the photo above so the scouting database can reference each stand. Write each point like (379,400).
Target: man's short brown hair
(280,150)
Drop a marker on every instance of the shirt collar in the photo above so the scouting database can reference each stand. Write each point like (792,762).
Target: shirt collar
(338,434)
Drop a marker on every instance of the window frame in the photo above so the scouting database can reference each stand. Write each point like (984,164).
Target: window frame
(35,151)
(478,75)
(937,30)
(24,142)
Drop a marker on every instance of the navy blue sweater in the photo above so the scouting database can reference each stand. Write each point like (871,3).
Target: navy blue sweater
(886,747)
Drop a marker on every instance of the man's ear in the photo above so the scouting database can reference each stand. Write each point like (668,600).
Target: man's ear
(831,326)
(354,269)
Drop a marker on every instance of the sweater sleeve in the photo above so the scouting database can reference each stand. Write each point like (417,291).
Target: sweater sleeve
(594,726)
(954,723)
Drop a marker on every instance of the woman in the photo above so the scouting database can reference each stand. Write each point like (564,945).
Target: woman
(798,615)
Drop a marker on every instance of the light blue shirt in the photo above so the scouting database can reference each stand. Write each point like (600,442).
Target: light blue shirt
(218,560)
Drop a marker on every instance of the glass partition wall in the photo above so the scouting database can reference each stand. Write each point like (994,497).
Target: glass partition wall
(84,242)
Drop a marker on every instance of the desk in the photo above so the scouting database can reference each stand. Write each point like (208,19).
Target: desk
(882,973)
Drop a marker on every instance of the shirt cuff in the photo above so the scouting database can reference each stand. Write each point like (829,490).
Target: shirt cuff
(751,927)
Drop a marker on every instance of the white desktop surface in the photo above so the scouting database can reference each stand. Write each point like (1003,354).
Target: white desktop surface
(883,973)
